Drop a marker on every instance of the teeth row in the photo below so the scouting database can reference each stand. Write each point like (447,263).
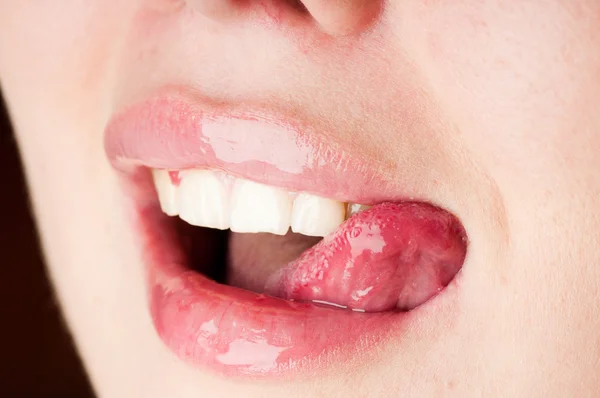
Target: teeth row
(213,199)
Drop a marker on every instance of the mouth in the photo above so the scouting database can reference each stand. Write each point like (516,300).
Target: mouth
(271,249)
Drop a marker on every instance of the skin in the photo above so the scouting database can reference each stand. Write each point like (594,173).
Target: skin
(488,108)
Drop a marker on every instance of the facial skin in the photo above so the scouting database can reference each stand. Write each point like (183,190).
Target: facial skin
(490,107)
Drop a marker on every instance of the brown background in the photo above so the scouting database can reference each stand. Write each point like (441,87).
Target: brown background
(38,359)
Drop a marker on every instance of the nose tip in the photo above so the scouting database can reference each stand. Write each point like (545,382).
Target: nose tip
(334,17)
(344,17)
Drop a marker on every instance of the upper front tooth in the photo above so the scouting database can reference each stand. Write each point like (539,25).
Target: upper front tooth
(203,199)
(167,192)
(316,216)
(259,208)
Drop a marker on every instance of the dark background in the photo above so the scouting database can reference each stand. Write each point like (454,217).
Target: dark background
(37,357)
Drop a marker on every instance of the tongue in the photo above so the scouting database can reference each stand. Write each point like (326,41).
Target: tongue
(394,256)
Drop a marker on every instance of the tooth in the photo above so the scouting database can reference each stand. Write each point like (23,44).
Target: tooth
(259,208)
(316,216)
(203,199)
(167,192)
(354,208)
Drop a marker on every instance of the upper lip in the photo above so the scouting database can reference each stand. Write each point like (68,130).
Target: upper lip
(175,130)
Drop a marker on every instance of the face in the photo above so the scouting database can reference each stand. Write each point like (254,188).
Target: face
(470,127)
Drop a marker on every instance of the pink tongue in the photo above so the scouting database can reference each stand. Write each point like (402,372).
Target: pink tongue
(392,256)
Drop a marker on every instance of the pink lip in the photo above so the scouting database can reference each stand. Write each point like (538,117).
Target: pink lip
(223,328)
(177,132)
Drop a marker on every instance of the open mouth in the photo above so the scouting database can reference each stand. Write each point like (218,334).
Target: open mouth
(268,249)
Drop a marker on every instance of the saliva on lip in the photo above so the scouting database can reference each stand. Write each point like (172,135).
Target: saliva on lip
(334,305)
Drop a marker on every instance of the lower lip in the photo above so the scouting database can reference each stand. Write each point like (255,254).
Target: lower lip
(238,333)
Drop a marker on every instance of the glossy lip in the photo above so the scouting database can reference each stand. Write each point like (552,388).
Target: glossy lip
(223,328)
(178,131)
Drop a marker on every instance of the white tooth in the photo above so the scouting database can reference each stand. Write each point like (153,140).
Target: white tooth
(259,208)
(203,199)
(316,216)
(167,192)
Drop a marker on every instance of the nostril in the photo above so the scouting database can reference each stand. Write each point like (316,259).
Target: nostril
(298,5)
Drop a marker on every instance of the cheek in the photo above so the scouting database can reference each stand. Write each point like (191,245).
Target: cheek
(520,81)
(56,54)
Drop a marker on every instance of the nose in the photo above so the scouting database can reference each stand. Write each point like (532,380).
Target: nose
(344,17)
(335,17)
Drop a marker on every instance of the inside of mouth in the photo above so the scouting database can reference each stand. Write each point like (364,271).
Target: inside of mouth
(218,254)
(206,249)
